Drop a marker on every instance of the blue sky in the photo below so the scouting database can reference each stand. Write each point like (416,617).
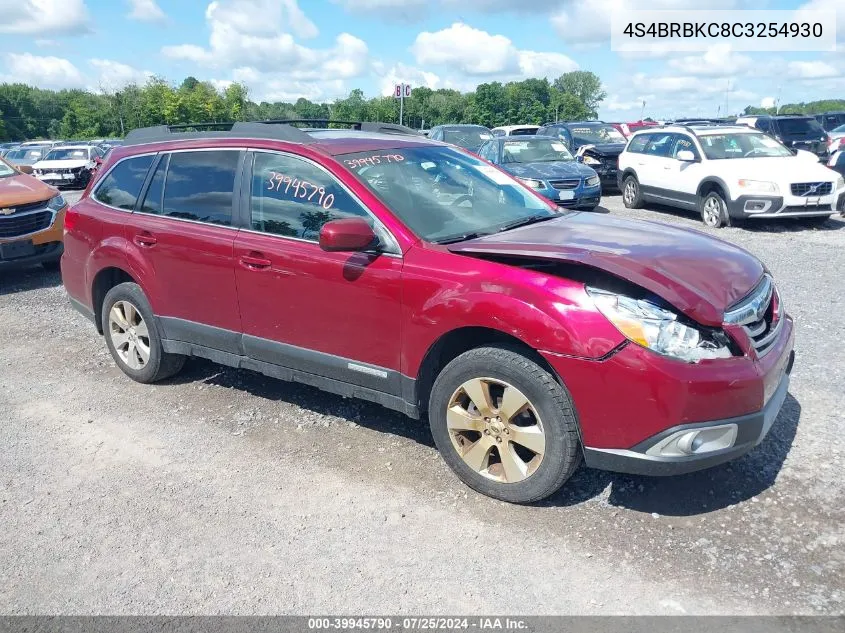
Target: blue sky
(321,49)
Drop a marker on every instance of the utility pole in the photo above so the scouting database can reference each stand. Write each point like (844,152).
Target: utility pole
(777,103)
(727,93)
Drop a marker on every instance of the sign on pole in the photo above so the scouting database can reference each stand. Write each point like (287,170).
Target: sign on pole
(402,91)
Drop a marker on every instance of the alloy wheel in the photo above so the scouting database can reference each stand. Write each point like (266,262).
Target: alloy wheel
(630,193)
(496,430)
(129,335)
(712,212)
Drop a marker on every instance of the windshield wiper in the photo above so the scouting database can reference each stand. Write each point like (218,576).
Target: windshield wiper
(461,238)
(531,219)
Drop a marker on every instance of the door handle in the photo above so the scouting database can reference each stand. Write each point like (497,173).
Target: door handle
(255,261)
(145,239)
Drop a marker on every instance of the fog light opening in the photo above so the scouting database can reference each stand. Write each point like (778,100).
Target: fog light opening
(696,441)
(757,206)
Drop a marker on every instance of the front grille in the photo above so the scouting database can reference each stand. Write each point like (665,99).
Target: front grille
(569,183)
(812,189)
(757,316)
(32,206)
(17,225)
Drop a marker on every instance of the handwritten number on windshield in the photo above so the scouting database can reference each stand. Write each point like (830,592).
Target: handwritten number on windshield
(299,189)
(375,159)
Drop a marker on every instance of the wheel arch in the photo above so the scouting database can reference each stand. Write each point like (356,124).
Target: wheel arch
(713,183)
(105,280)
(455,342)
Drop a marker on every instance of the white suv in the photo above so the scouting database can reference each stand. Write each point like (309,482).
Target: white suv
(725,173)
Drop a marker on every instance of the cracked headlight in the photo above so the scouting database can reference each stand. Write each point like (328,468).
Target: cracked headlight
(56,203)
(658,329)
(589,160)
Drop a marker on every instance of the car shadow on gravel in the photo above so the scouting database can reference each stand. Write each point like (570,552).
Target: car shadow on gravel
(784,225)
(361,412)
(695,493)
(25,279)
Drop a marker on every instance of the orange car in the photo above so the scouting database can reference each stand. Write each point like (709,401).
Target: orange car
(32,217)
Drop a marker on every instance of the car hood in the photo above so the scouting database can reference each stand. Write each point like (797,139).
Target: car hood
(784,169)
(60,164)
(549,171)
(23,189)
(700,275)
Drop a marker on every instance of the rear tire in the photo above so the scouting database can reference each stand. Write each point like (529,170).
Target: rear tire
(632,197)
(133,338)
(714,210)
(520,442)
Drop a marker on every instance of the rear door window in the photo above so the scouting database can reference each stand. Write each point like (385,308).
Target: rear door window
(200,186)
(122,186)
(660,145)
(638,144)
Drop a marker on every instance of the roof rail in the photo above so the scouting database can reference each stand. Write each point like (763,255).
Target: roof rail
(251,129)
(363,126)
(274,129)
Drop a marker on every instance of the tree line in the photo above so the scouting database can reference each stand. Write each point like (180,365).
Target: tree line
(27,112)
(811,107)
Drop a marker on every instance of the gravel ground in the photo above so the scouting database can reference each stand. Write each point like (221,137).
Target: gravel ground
(226,492)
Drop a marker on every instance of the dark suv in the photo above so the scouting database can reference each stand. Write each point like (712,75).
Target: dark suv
(793,130)
(414,274)
(594,143)
(831,120)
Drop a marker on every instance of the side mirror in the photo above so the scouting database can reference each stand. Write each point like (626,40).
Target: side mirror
(348,235)
(685,156)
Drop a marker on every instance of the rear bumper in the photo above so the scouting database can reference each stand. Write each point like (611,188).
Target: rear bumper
(751,429)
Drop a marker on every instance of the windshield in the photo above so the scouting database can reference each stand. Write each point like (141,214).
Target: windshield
(24,155)
(524,131)
(68,154)
(739,145)
(6,170)
(468,138)
(801,127)
(537,150)
(442,194)
(596,134)
(838,130)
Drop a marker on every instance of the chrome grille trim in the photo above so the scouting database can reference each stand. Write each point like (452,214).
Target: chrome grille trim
(568,183)
(753,307)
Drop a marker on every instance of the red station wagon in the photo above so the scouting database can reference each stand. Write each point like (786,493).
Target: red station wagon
(380,265)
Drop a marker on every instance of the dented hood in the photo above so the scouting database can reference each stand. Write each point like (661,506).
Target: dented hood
(698,274)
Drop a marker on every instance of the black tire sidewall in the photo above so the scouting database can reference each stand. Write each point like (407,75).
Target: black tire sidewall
(133,294)
(562,447)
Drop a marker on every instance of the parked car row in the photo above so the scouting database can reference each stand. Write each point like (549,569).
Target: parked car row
(406,271)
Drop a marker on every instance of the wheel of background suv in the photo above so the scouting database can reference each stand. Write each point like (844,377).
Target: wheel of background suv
(504,425)
(631,196)
(133,338)
(714,211)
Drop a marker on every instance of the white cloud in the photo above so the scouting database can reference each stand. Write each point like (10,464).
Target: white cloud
(112,75)
(146,11)
(837,6)
(44,17)
(410,10)
(401,73)
(767,102)
(718,61)
(44,72)
(479,53)
(279,87)
(262,17)
(616,103)
(812,70)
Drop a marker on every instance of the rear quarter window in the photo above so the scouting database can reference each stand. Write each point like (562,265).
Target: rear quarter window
(122,185)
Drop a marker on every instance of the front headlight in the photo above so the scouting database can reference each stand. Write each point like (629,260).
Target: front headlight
(534,184)
(658,329)
(592,181)
(759,186)
(589,160)
(56,203)
(840,183)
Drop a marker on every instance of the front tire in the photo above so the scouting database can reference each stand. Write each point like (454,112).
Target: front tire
(714,210)
(504,425)
(632,197)
(133,338)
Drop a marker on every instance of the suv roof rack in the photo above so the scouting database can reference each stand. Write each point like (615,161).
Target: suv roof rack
(274,129)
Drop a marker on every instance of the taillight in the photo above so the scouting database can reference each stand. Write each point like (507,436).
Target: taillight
(71,216)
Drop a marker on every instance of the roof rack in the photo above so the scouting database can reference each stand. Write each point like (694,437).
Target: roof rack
(274,129)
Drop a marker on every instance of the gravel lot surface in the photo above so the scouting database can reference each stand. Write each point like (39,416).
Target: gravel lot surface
(222,491)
